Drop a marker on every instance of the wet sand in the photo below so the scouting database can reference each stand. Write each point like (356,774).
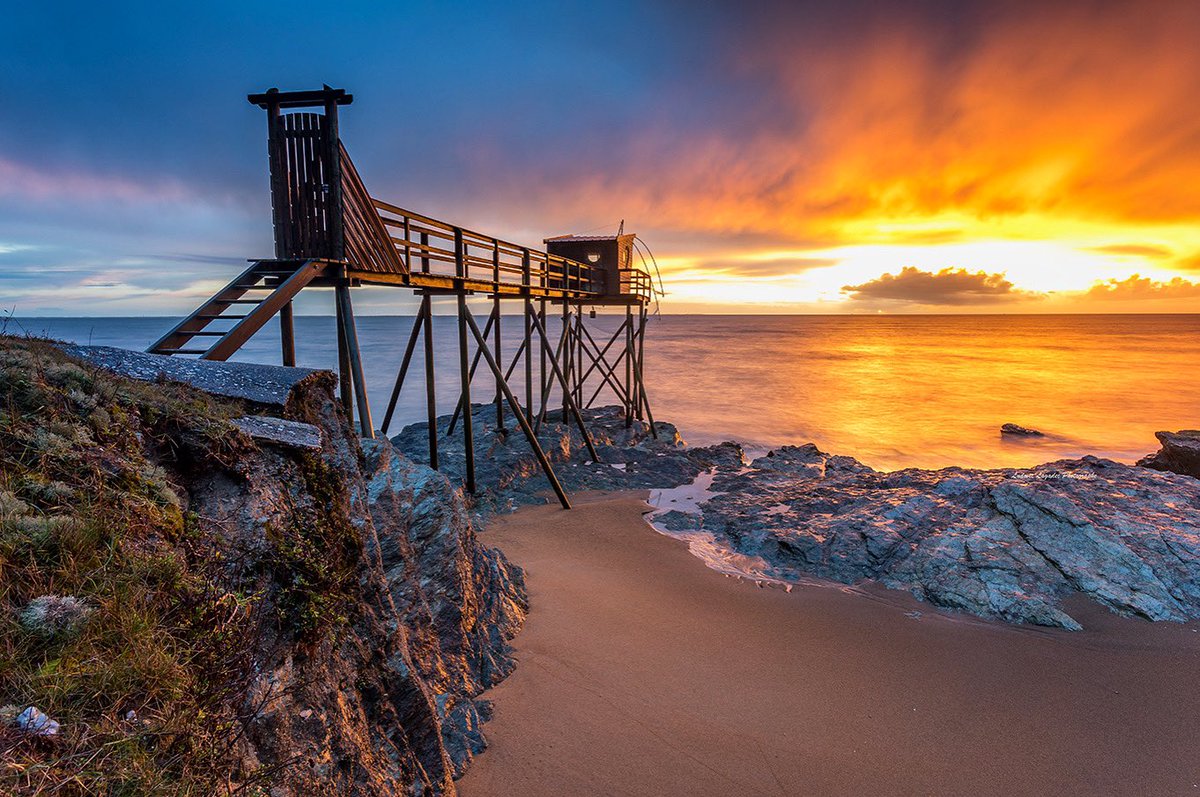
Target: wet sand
(642,672)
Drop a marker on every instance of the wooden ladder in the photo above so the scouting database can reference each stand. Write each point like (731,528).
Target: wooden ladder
(270,283)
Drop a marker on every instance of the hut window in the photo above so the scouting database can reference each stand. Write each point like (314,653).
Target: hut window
(593,257)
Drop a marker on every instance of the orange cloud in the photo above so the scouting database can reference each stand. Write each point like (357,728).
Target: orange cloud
(945,287)
(1142,288)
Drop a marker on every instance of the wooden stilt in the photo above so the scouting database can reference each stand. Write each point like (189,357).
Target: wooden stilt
(643,399)
(345,391)
(496,333)
(571,408)
(465,400)
(481,342)
(287,335)
(607,370)
(408,353)
(629,366)
(548,387)
(568,350)
(354,353)
(542,364)
(430,383)
(458,408)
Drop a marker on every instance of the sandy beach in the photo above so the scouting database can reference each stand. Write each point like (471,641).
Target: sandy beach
(642,672)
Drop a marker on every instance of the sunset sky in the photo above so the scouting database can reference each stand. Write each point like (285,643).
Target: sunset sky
(790,157)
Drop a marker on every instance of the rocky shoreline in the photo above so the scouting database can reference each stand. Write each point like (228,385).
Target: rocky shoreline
(246,597)
(1006,544)
(362,618)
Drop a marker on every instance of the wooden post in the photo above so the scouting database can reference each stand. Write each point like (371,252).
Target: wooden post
(481,342)
(643,399)
(287,335)
(496,311)
(629,366)
(525,278)
(430,392)
(333,181)
(465,379)
(408,353)
(571,408)
(354,353)
(458,408)
(345,391)
(542,393)
(579,353)
(568,350)
(278,182)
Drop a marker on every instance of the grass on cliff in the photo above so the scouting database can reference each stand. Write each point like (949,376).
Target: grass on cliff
(143,685)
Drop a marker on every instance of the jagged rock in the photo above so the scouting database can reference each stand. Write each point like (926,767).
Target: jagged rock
(463,602)
(377,615)
(1180,453)
(1020,431)
(1008,544)
(50,615)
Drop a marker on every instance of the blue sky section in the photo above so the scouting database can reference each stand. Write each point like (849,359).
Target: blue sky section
(130,159)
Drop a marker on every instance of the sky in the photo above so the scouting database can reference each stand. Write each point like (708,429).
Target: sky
(798,157)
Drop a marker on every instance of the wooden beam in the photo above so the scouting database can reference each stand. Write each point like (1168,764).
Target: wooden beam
(408,352)
(521,421)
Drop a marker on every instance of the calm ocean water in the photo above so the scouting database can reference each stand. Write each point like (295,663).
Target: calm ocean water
(893,391)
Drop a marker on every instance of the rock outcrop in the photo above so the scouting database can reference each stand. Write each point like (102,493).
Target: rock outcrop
(1180,453)
(312,616)
(1008,544)
(1016,430)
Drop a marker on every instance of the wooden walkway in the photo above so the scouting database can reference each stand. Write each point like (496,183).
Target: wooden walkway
(331,233)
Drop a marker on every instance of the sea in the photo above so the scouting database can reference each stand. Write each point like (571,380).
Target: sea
(924,391)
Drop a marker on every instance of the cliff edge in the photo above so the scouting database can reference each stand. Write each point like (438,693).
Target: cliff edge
(215,589)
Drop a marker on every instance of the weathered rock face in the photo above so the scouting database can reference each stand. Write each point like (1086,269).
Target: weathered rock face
(1180,453)
(1004,544)
(364,617)
(1008,544)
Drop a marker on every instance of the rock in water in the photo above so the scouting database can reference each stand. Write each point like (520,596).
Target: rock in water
(1180,453)
(1020,431)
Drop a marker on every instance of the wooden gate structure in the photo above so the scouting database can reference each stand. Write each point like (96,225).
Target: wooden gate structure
(330,232)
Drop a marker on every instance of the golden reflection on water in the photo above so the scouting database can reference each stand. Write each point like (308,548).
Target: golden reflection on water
(930,391)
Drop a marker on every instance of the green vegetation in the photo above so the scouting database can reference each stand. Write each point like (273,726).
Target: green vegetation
(147,685)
